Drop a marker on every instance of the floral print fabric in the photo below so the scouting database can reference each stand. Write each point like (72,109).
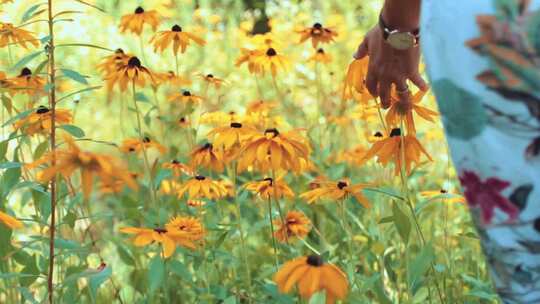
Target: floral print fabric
(483,59)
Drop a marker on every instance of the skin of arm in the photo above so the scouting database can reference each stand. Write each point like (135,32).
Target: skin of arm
(389,66)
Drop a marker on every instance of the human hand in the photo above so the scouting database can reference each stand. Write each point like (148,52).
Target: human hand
(389,66)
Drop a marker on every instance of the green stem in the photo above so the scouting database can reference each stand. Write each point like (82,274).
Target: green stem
(272,231)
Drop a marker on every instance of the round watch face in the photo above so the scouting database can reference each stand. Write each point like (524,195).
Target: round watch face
(401,41)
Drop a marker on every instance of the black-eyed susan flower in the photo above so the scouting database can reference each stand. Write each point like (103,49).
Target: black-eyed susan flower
(134,22)
(212,80)
(268,188)
(178,168)
(311,274)
(135,145)
(40,121)
(26,83)
(176,37)
(336,191)
(250,58)
(10,221)
(192,228)
(10,34)
(296,225)
(202,187)
(321,56)
(66,161)
(271,61)
(390,150)
(170,78)
(354,156)
(170,187)
(183,122)
(133,72)
(261,107)
(443,195)
(403,108)
(147,236)
(185,97)
(112,63)
(354,85)
(318,34)
(110,185)
(273,150)
(207,156)
(235,134)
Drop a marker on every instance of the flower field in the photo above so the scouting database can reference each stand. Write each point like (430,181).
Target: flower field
(178,151)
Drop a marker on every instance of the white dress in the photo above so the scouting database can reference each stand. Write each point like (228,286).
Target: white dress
(485,72)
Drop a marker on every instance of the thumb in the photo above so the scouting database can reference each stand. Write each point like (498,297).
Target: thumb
(362,50)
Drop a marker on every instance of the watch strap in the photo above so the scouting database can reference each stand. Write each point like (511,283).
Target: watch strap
(387,30)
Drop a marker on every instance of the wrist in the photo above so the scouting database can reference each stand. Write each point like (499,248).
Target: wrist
(401,19)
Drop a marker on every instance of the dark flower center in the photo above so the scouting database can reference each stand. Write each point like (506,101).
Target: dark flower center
(315,260)
(42,110)
(342,185)
(176,162)
(320,51)
(271,52)
(208,146)
(378,134)
(317,26)
(273,131)
(269,179)
(395,132)
(200,177)
(210,76)
(160,230)
(139,10)
(176,28)
(131,149)
(26,72)
(182,120)
(134,62)
(236,125)
(119,51)
(186,93)
(146,139)
(443,191)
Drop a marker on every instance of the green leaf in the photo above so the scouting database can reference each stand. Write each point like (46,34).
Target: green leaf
(25,60)
(74,75)
(141,97)
(84,45)
(9,179)
(41,149)
(21,115)
(78,92)
(95,280)
(30,12)
(462,112)
(73,130)
(30,269)
(403,225)
(125,255)
(181,270)
(8,165)
(318,298)
(156,273)
(420,266)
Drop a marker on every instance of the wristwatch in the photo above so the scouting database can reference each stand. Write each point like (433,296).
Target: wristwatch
(398,39)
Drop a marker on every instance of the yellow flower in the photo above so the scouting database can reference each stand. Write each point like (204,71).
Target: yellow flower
(355,81)
(26,83)
(165,237)
(272,61)
(443,195)
(250,57)
(134,22)
(179,39)
(355,156)
(208,157)
(112,63)
(390,150)
(213,80)
(171,79)
(185,97)
(169,187)
(273,150)
(261,107)
(195,203)
(132,72)
(318,34)
(40,121)
(10,221)
(336,191)
(233,135)
(311,275)
(296,224)
(202,187)
(192,228)
(403,108)
(136,145)
(14,35)
(321,56)
(90,165)
(268,188)
(178,168)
